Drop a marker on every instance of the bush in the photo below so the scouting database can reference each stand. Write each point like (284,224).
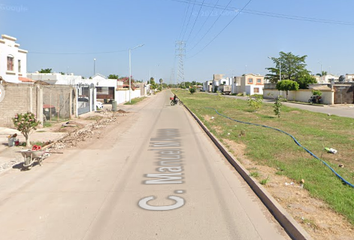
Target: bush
(25,123)
(192,90)
(255,103)
(316,92)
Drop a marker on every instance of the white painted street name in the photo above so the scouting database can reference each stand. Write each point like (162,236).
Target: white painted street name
(170,171)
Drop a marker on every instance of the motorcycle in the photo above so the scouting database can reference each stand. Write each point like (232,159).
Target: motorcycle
(315,99)
(173,102)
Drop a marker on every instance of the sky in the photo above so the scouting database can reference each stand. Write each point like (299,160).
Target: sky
(230,37)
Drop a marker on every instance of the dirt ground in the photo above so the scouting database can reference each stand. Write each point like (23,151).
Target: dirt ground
(314,215)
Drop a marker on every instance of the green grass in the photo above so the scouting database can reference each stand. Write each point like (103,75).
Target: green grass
(135,101)
(254,174)
(47,124)
(278,150)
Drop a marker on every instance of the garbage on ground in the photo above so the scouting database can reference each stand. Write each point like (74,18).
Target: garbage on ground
(288,184)
(68,124)
(13,140)
(341,165)
(302,183)
(331,150)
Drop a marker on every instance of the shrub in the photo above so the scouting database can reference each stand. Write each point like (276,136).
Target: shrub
(25,123)
(316,92)
(192,90)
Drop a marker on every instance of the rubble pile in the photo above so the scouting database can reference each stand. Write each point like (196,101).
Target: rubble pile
(88,132)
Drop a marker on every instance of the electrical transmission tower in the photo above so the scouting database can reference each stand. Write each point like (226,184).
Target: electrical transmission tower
(180,54)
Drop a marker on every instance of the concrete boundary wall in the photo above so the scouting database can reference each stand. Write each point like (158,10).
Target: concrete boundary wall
(302,95)
(294,229)
(20,98)
(122,96)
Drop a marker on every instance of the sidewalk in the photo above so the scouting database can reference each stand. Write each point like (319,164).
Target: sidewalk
(9,156)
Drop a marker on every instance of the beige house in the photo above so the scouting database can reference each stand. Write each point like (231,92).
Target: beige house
(251,84)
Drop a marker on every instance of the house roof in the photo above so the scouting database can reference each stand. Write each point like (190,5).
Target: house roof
(23,79)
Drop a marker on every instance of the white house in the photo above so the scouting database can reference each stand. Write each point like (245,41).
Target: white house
(207,86)
(349,77)
(236,85)
(326,79)
(13,60)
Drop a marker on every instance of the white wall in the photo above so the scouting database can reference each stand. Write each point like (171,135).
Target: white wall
(302,95)
(8,46)
(122,96)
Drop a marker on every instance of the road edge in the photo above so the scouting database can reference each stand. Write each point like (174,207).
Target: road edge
(293,228)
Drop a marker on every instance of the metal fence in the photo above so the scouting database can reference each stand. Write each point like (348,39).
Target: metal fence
(57,102)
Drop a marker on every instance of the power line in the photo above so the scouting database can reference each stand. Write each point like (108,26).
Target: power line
(211,26)
(274,15)
(77,53)
(195,21)
(216,4)
(184,21)
(238,13)
(189,19)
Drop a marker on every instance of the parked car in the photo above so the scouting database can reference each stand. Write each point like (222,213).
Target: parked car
(48,111)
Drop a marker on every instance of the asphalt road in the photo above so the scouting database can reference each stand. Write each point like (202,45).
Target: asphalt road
(154,175)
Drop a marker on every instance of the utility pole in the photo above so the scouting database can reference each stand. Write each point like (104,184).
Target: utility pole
(180,53)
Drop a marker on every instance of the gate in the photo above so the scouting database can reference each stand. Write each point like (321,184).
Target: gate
(84,100)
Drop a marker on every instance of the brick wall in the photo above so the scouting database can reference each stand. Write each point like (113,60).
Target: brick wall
(19,98)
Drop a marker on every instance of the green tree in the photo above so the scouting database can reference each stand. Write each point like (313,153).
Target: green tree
(304,80)
(287,85)
(47,70)
(113,76)
(192,89)
(277,106)
(153,84)
(289,66)
(323,73)
(25,123)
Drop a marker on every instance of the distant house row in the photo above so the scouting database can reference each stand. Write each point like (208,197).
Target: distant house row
(54,95)
(248,84)
(334,89)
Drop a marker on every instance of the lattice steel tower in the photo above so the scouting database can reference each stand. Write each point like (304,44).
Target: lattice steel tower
(180,54)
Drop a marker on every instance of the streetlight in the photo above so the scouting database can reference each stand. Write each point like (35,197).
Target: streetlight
(279,68)
(94,66)
(321,67)
(130,70)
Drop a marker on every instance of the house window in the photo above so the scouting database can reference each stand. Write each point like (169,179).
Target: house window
(259,80)
(10,63)
(256,90)
(250,80)
(19,66)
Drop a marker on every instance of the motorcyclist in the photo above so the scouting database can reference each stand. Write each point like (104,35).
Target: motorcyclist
(175,99)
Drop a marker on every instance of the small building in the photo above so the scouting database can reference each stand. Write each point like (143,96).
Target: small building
(251,84)
(208,86)
(326,79)
(13,60)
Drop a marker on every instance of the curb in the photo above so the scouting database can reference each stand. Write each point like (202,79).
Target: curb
(294,229)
